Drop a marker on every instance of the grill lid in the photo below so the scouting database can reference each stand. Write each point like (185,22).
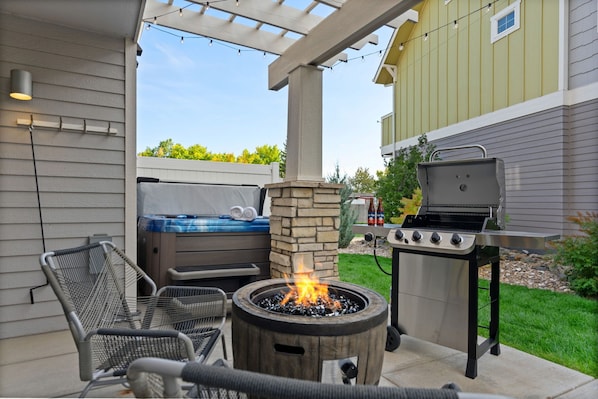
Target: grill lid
(465,194)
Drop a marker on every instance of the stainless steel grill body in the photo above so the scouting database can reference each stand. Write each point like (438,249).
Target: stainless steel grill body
(436,258)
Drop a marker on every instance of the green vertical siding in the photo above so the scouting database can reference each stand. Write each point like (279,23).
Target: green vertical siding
(458,74)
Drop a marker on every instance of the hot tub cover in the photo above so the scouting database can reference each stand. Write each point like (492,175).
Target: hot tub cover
(200,224)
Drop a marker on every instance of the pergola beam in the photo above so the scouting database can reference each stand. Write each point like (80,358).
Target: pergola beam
(352,22)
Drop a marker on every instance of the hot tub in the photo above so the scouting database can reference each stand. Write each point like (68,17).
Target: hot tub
(204,250)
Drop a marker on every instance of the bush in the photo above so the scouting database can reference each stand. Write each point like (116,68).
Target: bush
(348,215)
(580,253)
(410,205)
(400,177)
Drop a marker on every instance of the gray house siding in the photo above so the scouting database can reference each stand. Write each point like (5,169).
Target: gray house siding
(82,176)
(581,183)
(551,164)
(583,43)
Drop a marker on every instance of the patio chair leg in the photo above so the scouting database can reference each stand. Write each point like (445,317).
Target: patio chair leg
(224,347)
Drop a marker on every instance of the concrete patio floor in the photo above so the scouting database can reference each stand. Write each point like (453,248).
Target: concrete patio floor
(45,365)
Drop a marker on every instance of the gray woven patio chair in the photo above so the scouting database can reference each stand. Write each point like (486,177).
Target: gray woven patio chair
(97,286)
(159,378)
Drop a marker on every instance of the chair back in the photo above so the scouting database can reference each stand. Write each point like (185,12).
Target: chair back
(96,285)
(160,378)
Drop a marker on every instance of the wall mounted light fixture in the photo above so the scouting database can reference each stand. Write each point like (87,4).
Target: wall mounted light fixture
(20,84)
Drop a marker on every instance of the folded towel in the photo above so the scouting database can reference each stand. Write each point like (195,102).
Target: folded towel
(236,212)
(249,213)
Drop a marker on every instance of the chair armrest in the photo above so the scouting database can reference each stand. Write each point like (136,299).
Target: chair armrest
(205,304)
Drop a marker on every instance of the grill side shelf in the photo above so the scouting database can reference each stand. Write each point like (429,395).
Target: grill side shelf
(515,239)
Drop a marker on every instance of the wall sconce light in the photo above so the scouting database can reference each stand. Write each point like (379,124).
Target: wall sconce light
(20,84)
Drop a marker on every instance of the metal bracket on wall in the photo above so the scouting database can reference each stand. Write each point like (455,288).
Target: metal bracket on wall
(60,125)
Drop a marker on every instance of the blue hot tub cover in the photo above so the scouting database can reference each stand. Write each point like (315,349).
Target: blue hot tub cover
(201,224)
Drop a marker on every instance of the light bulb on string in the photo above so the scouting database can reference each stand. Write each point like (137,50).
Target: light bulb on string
(182,39)
(401,47)
(456,25)
(489,7)
(237,3)
(207,6)
(155,20)
(211,41)
(147,26)
(426,37)
(239,52)
(180,12)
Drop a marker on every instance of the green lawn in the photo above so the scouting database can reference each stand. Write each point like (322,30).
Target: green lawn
(562,328)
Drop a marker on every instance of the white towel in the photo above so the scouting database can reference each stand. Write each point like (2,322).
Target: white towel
(236,212)
(249,213)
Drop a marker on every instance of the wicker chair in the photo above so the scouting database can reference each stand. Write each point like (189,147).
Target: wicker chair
(97,286)
(159,378)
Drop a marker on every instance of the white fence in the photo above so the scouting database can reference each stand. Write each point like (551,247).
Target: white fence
(189,171)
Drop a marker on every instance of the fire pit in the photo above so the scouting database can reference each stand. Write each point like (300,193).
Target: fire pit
(337,339)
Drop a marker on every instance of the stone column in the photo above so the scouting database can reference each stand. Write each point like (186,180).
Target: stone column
(304,228)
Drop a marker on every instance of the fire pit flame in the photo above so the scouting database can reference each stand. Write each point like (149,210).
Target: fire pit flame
(307,291)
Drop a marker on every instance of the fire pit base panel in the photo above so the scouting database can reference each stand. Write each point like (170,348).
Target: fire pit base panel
(310,348)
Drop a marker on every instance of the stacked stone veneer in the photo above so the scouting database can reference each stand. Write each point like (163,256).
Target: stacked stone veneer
(304,228)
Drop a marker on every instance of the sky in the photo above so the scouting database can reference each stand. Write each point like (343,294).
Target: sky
(210,94)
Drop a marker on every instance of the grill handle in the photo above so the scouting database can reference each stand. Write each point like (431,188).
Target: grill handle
(461,147)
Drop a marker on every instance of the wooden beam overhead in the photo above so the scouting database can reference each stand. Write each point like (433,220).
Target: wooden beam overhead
(264,13)
(349,24)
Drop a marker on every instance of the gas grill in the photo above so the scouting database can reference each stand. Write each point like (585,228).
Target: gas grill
(436,255)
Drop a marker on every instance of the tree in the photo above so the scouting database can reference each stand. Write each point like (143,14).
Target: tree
(399,179)
(163,150)
(283,161)
(362,181)
(348,215)
(264,155)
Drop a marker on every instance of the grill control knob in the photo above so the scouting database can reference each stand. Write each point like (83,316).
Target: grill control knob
(399,235)
(456,239)
(435,238)
(416,236)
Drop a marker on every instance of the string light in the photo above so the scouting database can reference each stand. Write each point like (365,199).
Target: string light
(182,39)
(401,47)
(180,12)
(454,23)
(147,26)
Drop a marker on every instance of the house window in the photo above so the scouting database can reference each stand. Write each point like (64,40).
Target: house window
(505,21)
